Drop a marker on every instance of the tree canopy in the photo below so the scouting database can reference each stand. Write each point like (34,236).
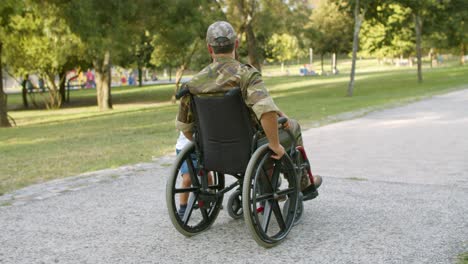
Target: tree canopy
(49,37)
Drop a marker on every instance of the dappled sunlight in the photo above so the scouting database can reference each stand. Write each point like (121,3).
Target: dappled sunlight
(320,82)
(399,122)
(441,117)
(35,117)
(23,141)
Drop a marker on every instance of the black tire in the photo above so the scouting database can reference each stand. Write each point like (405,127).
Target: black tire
(234,205)
(260,199)
(198,217)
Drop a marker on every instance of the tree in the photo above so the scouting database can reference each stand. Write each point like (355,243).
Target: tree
(181,34)
(456,25)
(359,10)
(4,122)
(142,52)
(284,47)
(420,11)
(388,34)
(41,42)
(329,29)
(358,18)
(256,21)
(6,10)
(107,28)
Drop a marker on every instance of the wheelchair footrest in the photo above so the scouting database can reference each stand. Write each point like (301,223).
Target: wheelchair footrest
(310,195)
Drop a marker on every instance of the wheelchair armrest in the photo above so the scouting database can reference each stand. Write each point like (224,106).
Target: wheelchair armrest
(282,120)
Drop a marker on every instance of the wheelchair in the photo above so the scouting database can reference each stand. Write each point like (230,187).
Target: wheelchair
(226,142)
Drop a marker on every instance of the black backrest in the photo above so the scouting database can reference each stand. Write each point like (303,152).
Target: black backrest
(225,131)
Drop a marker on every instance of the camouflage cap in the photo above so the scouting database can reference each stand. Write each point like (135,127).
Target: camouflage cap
(220,33)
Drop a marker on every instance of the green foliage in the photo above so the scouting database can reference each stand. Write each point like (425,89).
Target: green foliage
(104,25)
(284,47)
(267,18)
(390,34)
(180,32)
(40,42)
(456,24)
(329,29)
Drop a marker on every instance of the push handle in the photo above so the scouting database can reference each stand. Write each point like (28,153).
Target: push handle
(282,120)
(182,92)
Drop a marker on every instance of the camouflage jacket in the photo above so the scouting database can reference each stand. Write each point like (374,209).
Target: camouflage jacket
(218,78)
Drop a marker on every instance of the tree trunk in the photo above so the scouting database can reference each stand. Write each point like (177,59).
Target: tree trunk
(358,18)
(333,63)
(55,98)
(3,98)
(182,68)
(252,48)
(62,82)
(140,76)
(179,74)
(103,87)
(418,30)
(462,53)
(321,63)
(336,64)
(24,91)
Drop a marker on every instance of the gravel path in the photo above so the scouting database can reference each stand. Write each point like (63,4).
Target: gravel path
(395,191)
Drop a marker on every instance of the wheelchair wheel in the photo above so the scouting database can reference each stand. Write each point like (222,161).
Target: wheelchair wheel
(234,205)
(202,206)
(263,198)
(299,211)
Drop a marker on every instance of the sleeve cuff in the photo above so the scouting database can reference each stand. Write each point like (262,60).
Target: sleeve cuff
(184,127)
(265,105)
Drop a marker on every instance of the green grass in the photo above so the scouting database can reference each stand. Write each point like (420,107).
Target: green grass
(463,258)
(59,143)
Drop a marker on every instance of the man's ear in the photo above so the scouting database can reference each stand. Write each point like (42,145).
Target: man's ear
(236,45)
(210,49)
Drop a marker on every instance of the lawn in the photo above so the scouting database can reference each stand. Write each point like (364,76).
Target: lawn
(50,144)
(463,258)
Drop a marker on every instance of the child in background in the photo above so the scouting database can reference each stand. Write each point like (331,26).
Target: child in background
(182,141)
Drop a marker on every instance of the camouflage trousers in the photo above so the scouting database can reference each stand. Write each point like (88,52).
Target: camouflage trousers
(287,143)
(295,129)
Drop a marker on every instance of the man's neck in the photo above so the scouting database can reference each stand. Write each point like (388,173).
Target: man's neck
(223,56)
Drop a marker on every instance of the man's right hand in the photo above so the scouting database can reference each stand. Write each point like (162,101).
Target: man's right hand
(278,150)
(270,126)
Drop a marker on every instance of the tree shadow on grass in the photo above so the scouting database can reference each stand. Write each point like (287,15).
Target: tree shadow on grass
(87,97)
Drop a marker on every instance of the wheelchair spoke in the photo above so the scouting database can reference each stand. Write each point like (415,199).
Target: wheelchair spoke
(264,197)
(204,213)
(278,215)
(266,217)
(275,174)
(285,191)
(184,190)
(190,206)
(265,182)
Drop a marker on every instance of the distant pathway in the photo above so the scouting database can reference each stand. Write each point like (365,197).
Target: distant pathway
(395,191)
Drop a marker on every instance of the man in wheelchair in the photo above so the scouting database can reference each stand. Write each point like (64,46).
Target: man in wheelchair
(227,73)
(235,128)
